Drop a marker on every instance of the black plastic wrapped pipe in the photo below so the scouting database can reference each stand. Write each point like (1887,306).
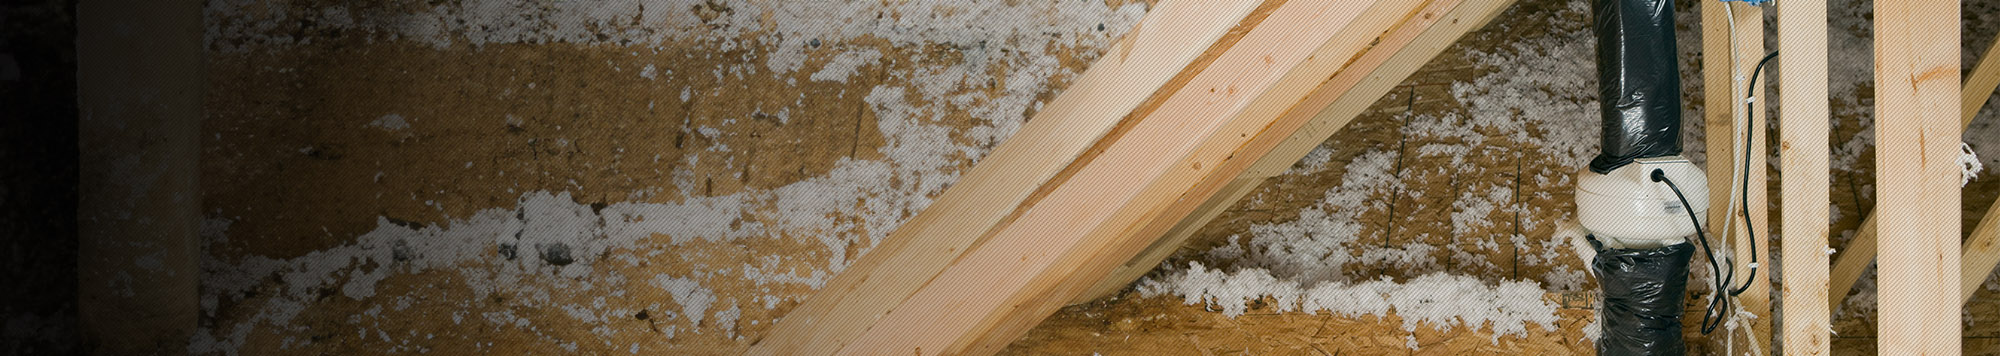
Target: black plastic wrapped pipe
(1639,81)
(1643,290)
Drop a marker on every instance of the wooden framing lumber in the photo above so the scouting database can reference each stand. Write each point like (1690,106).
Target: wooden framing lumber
(1853,259)
(1063,235)
(1980,84)
(1982,252)
(1084,226)
(1982,249)
(1723,102)
(1175,237)
(1917,177)
(1401,52)
(1165,42)
(1803,150)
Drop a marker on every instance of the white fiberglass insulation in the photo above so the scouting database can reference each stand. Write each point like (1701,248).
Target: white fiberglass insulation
(855,205)
(1532,94)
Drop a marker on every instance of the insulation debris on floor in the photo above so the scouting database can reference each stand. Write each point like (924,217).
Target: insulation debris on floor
(674,176)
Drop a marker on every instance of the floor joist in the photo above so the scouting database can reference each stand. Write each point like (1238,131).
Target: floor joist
(1917,176)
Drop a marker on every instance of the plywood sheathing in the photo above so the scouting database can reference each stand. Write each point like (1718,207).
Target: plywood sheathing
(1163,326)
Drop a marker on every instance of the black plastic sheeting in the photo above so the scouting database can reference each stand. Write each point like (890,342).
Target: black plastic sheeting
(1643,290)
(1639,81)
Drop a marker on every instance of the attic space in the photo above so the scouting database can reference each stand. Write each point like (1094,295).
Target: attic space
(685,177)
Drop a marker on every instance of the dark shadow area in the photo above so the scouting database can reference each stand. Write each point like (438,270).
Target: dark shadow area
(38,175)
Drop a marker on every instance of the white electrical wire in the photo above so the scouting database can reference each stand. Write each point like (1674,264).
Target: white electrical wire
(1736,187)
(1735,136)
(1738,316)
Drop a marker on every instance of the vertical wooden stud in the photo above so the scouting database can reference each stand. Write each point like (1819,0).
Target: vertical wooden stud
(1803,150)
(1917,176)
(1724,92)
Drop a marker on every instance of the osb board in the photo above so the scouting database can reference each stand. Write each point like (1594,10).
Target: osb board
(312,145)
(295,162)
(1164,326)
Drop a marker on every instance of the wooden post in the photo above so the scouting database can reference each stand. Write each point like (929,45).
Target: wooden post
(1803,150)
(140,81)
(1917,176)
(1401,52)
(1723,103)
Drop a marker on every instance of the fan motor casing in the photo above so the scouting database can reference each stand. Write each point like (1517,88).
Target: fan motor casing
(1628,205)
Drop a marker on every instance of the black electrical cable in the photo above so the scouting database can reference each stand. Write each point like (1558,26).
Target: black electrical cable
(1710,319)
(1750,134)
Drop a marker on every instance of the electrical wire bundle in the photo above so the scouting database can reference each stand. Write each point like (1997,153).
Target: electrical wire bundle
(1719,305)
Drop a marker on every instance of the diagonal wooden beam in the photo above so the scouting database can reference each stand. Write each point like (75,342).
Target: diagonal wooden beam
(1053,239)
(1803,150)
(1183,151)
(1982,249)
(1177,236)
(1723,102)
(1852,259)
(1171,38)
(1400,53)
(1917,176)
(1982,252)
(1979,86)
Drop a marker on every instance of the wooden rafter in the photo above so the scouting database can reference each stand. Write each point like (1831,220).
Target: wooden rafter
(1167,40)
(1017,239)
(1917,176)
(1803,151)
(1402,51)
